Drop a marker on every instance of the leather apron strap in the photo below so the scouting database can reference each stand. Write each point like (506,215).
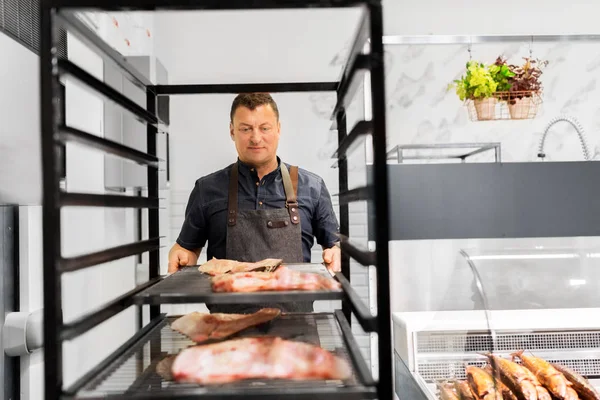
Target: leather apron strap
(290,184)
(233,196)
(291,192)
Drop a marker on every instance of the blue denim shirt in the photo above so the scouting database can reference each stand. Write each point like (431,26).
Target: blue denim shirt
(206,210)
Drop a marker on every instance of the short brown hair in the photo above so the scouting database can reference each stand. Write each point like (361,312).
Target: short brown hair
(251,101)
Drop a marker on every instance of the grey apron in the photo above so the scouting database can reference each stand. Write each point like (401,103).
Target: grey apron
(253,235)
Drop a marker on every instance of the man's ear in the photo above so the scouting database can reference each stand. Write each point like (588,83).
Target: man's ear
(231,130)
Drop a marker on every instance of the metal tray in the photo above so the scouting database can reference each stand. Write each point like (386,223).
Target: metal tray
(188,285)
(133,373)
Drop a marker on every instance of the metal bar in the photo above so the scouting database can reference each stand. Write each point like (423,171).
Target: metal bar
(364,257)
(366,320)
(466,39)
(361,128)
(442,146)
(73,24)
(344,210)
(53,378)
(68,68)
(93,373)
(478,151)
(114,253)
(157,5)
(106,200)
(349,85)
(362,369)
(357,194)
(166,90)
(384,333)
(354,62)
(87,322)
(256,393)
(66,134)
(153,216)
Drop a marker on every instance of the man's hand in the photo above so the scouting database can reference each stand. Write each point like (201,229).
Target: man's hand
(332,258)
(179,257)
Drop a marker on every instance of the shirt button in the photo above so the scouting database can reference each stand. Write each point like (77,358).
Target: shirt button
(256,183)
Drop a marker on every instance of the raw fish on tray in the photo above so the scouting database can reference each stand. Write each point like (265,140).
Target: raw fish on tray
(281,280)
(200,327)
(257,358)
(216,266)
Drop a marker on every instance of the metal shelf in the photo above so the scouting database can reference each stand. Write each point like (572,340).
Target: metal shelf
(131,370)
(143,370)
(188,285)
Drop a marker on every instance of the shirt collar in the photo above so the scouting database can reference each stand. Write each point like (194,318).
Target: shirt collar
(247,170)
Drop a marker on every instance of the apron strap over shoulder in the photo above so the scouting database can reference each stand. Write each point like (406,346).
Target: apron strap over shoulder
(233,196)
(291,188)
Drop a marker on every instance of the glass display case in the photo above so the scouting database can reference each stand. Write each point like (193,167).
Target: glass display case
(542,301)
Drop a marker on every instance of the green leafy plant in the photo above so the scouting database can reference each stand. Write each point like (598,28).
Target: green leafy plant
(502,74)
(477,83)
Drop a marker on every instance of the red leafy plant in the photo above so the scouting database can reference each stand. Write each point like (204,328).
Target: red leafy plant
(526,79)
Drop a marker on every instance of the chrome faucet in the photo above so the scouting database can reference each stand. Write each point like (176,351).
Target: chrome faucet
(578,128)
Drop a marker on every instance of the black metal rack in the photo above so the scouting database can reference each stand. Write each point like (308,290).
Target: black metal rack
(60,13)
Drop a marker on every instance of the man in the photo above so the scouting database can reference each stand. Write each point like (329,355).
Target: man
(259,207)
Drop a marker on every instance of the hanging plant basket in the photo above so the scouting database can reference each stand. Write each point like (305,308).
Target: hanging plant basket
(505,106)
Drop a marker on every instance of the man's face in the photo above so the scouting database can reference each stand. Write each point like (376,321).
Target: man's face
(256,134)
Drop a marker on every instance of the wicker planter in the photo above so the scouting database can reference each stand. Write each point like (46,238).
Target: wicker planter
(485,108)
(523,108)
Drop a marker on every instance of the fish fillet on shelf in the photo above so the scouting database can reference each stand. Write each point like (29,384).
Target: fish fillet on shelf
(257,358)
(200,327)
(282,279)
(216,266)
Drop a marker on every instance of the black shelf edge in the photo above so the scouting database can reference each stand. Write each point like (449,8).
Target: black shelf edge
(348,87)
(66,67)
(351,393)
(114,356)
(143,5)
(361,128)
(74,25)
(69,199)
(114,253)
(362,369)
(68,134)
(237,298)
(354,63)
(94,318)
(367,321)
(228,88)
(188,285)
(356,194)
(364,257)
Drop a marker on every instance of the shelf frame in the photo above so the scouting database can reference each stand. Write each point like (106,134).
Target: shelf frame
(60,13)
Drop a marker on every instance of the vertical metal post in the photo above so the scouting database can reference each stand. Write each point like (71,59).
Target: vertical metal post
(385,382)
(50,115)
(9,294)
(344,208)
(153,230)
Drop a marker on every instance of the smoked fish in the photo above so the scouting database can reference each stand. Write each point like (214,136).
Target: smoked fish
(482,384)
(581,385)
(550,377)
